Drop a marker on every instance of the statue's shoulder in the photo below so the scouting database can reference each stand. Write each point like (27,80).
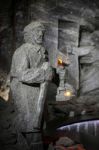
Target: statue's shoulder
(34,48)
(23,49)
(26,46)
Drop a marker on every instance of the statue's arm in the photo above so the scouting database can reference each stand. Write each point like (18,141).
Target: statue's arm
(31,76)
(37,75)
(20,69)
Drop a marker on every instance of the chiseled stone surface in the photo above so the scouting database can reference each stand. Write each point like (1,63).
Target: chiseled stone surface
(89,68)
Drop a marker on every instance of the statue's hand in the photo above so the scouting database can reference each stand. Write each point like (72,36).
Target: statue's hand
(48,74)
(48,71)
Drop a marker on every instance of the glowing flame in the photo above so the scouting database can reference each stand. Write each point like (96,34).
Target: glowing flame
(68,93)
(60,62)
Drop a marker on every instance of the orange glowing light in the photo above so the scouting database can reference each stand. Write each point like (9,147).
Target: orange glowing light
(68,93)
(60,62)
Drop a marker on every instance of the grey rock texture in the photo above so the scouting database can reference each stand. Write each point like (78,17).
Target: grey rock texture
(89,68)
(76,19)
(60,18)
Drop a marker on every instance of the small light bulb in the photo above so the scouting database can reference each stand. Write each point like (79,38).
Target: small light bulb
(68,93)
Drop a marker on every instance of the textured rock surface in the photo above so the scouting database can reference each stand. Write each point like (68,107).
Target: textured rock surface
(77,19)
(77,23)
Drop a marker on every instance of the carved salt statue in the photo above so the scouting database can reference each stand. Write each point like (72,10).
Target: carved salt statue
(30,73)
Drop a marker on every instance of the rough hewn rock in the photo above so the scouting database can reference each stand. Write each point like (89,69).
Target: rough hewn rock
(77,19)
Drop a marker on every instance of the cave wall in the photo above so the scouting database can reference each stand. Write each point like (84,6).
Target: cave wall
(76,20)
(13,18)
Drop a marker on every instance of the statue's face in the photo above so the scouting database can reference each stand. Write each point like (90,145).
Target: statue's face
(38,35)
(34,36)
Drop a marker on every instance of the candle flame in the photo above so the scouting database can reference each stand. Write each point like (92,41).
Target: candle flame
(60,62)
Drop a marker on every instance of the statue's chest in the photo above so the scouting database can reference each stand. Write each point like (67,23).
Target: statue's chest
(36,59)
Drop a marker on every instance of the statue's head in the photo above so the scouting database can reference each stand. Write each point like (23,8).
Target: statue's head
(33,33)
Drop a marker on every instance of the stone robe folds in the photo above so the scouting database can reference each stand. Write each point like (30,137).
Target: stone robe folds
(27,73)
